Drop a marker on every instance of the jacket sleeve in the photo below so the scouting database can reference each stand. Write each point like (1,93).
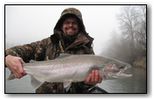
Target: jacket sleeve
(29,51)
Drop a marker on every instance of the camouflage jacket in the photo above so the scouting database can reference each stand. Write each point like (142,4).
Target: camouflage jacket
(45,50)
(51,47)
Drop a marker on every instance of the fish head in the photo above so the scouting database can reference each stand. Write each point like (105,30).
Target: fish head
(117,70)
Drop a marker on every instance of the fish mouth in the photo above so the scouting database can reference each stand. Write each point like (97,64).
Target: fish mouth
(116,72)
(125,71)
(125,68)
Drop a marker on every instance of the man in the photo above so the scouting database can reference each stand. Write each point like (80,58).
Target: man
(70,37)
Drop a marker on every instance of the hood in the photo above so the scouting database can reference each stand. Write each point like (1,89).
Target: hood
(81,38)
(69,12)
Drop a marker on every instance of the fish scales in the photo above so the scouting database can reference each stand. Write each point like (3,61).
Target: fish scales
(60,70)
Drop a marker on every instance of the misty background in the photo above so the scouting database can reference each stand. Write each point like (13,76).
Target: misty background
(32,23)
(118,31)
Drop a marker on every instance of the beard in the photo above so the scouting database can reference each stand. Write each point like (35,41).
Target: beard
(70,33)
(68,39)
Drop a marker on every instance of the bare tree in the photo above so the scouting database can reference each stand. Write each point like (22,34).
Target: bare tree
(133,26)
(131,44)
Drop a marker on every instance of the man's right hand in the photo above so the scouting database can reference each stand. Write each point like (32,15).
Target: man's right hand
(15,65)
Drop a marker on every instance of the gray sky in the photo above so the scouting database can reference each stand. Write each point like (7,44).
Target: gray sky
(26,24)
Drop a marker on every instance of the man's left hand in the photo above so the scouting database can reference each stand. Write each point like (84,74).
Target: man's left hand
(93,78)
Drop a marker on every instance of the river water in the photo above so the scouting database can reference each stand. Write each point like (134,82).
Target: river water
(134,84)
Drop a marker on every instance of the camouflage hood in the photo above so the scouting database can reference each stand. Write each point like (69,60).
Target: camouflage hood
(82,35)
(70,12)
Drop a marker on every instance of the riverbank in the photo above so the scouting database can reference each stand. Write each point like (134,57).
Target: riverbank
(140,62)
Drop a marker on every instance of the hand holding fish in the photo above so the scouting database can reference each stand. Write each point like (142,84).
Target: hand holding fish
(15,65)
(93,78)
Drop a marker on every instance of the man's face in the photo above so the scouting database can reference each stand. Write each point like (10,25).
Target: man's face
(70,26)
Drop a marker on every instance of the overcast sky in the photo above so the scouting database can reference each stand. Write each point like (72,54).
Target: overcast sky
(26,24)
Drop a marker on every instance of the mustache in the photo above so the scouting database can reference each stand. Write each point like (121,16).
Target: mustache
(71,27)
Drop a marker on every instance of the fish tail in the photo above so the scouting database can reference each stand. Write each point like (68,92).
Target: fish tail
(11,77)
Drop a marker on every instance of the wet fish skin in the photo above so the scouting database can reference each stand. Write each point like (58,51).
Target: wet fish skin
(75,68)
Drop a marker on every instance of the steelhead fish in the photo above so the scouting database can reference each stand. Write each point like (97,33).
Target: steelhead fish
(74,68)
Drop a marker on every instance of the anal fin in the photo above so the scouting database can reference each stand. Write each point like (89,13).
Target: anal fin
(67,85)
(35,83)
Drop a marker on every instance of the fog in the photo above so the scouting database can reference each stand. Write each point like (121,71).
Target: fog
(26,24)
(118,32)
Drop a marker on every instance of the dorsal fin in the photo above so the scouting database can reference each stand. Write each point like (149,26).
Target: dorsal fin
(63,55)
(32,61)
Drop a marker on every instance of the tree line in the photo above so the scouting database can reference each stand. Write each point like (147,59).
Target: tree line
(131,44)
